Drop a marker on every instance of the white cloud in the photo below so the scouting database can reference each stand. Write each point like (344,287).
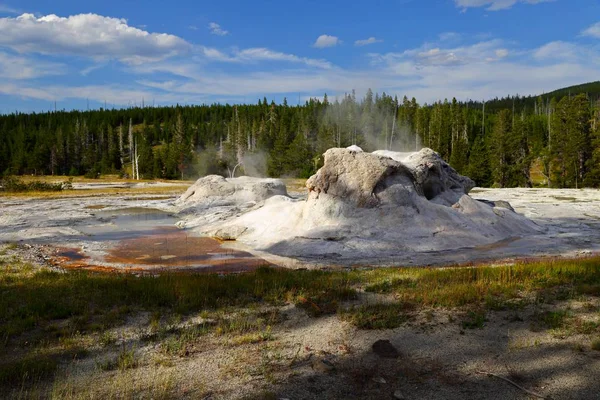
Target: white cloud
(592,31)
(18,67)
(566,51)
(368,41)
(486,51)
(87,35)
(394,73)
(4,9)
(449,36)
(119,95)
(478,70)
(494,5)
(215,29)
(262,54)
(324,41)
(501,53)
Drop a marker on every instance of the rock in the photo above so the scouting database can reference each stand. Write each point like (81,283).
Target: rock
(229,232)
(370,179)
(355,148)
(379,379)
(503,204)
(234,191)
(498,203)
(394,155)
(323,365)
(357,178)
(436,177)
(398,395)
(384,349)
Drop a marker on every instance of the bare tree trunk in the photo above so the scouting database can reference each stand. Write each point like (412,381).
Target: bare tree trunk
(121,144)
(130,140)
(548,115)
(136,165)
(393,129)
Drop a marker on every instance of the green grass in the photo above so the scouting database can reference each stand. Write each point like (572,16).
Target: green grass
(496,287)
(596,344)
(377,316)
(554,319)
(93,300)
(11,184)
(126,359)
(474,320)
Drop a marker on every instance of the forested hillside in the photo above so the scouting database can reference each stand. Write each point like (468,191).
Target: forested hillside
(496,143)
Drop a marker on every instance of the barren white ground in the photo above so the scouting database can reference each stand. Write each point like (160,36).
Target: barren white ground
(571,218)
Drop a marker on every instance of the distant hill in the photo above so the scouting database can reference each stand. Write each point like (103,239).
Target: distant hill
(592,89)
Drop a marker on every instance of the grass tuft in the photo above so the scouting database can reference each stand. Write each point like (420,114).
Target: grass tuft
(378,316)
(474,320)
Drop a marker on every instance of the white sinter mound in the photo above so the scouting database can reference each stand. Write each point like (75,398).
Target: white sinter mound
(361,208)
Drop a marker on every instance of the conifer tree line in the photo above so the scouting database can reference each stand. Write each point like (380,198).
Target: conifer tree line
(495,143)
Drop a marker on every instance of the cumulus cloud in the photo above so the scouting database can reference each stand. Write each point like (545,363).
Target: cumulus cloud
(494,5)
(592,31)
(87,35)
(215,29)
(324,41)
(476,70)
(366,42)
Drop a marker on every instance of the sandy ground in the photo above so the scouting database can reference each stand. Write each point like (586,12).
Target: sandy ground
(326,358)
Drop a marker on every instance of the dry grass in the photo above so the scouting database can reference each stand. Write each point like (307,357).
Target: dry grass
(102,179)
(295,184)
(174,190)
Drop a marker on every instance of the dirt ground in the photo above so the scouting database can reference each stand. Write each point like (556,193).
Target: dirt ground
(327,358)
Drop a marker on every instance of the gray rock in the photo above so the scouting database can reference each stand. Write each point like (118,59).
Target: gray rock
(436,177)
(234,191)
(368,180)
(358,178)
(498,203)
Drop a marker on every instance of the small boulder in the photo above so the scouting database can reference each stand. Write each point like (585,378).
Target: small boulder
(384,349)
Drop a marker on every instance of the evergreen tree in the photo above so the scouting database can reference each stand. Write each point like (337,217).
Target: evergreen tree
(479,163)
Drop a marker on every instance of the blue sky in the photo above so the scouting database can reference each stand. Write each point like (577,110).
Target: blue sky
(189,52)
